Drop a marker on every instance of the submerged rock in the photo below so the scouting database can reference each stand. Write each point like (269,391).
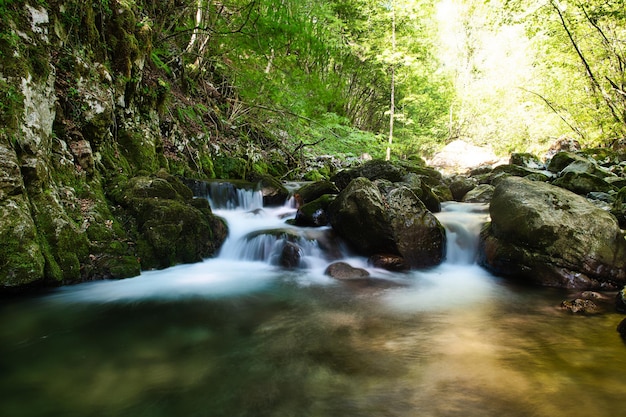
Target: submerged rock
(550,236)
(580,306)
(343,270)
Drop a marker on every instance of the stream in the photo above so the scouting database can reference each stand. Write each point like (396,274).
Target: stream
(237,335)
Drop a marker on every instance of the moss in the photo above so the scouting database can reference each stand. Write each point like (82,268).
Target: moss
(140,153)
(226,167)
(21,256)
(65,245)
(207,166)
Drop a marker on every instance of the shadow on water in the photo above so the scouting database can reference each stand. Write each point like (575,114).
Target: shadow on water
(234,338)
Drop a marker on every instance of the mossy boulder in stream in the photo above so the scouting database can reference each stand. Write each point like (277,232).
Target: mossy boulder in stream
(171,226)
(550,236)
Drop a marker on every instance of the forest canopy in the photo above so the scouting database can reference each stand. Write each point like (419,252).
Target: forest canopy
(347,76)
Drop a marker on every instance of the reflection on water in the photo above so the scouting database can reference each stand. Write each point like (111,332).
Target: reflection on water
(286,349)
(230,337)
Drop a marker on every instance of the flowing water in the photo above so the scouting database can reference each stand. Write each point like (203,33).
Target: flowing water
(240,336)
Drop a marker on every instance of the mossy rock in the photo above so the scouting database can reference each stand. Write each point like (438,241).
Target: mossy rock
(372,170)
(618,208)
(562,160)
(314,213)
(173,232)
(65,245)
(315,190)
(21,256)
(273,190)
(170,226)
(139,151)
(604,156)
(582,183)
(526,160)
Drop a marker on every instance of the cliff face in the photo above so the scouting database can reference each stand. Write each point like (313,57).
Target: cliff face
(90,154)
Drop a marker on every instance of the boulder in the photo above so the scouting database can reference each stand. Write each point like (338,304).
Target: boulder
(343,270)
(550,236)
(395,223)
(526,160)
(389,262)
(314,190)
(481,194)
(461,186)
(290,255)
(274,192)
(561,160)
(171,226)
(314,213)
(618,208)
(372,170)
(358,215)
(582,183)
(459,156)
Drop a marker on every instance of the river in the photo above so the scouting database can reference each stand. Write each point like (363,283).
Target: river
(239,336)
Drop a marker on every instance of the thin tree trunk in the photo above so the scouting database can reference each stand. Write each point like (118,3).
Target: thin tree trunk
(392,106)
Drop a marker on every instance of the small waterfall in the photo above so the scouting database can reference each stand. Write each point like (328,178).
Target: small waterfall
(229,196)
(463,222)
(257,233)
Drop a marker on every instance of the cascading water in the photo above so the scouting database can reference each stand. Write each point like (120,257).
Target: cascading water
(258,233)
(240,334)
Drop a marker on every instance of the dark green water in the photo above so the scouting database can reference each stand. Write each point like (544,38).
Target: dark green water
(456,342)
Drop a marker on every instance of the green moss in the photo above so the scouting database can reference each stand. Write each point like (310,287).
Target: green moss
(65,245)
(226,167)
(139,152)
(21,256)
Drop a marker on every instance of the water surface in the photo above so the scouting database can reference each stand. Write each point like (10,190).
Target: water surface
(232,337)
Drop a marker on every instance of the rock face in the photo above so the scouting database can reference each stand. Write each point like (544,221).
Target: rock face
(396,223)
(550,236)
(86,157)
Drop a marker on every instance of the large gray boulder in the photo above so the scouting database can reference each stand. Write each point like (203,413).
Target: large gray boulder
(550,236)
(395,222)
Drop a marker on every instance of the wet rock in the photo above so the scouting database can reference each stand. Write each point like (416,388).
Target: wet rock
(290,255)
(581,306)
(314,213)
(550,236)
(345,271)
(389,262)
(315,190)
(395,223)
(372,170)
(461,186)
(582,183)
(480,194)
(274,192)
(620,301)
